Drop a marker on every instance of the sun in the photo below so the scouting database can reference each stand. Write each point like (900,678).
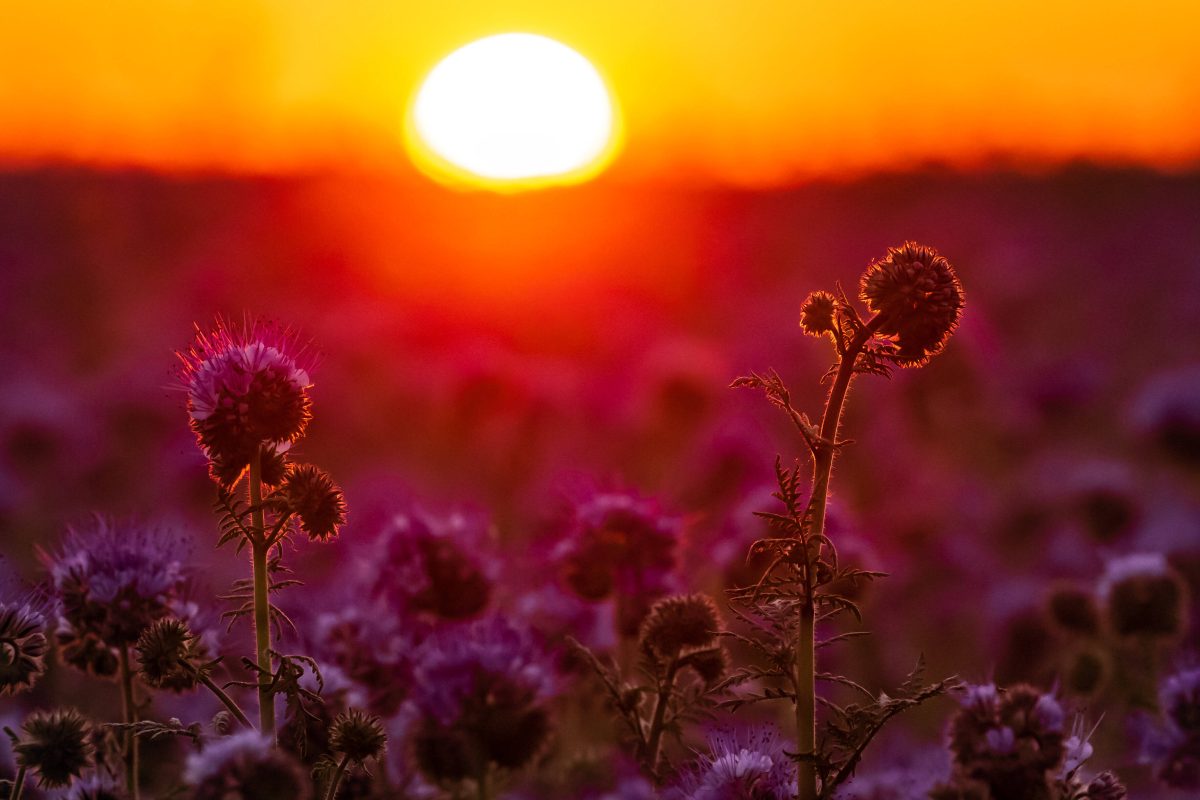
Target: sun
(513,111)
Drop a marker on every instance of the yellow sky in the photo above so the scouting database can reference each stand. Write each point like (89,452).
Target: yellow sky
(750,92)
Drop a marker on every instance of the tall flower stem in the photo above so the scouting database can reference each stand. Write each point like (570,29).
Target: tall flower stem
(259,547)
(18,785)
(220,694)
(336,780)
(805,669)
(129,716)
(654,742)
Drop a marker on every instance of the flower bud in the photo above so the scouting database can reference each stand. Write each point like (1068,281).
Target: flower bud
(57,746)
(816,315)
(358,736)
(678,623)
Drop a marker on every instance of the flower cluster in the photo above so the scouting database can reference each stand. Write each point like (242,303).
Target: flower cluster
(1171,744)
(480,693)
(619,545)
(741,764)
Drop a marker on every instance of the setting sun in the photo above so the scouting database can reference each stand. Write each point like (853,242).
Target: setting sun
(513,111)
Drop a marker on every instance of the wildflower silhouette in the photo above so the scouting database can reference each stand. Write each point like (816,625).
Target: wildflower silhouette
(915,301)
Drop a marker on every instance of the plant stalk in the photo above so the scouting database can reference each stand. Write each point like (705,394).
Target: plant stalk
(336,781)
(805,674)
(262,601)
(129,716)
(18,785)
(220,694)
(654,743)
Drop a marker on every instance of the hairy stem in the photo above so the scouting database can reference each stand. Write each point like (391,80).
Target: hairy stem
(806,662)
(259,547)
(129,716)
(18,785)
(654,740)
(220,694)
(336,780)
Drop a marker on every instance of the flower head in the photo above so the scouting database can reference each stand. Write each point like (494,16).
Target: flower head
(816,315)
(740,765)
(481,694)
(918,298)
(96,786)
(310,494)
(57,745)
(1143,596)
(112,580)
(22,645)
(358,736)
(245,766)
(370,650)
(247,392)
(676,623)
(164,652)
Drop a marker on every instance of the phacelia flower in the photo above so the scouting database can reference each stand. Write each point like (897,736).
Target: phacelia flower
(1179,699)
(22,646)
(623,546)
(678,623)
(740,765)
(112,581)
(371,651)
(245,766)
(1013,741)
(1143,596)
(433,565)
(247,393)
(357,736)
(1171,743)
(481,695)
(57,745)
(164,651)
(96,786)
(816,315)
(310,494)
(918,298)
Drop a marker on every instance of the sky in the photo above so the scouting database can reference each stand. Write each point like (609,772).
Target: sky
(755,93)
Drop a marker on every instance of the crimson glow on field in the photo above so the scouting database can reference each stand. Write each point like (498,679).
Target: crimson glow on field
(513,111)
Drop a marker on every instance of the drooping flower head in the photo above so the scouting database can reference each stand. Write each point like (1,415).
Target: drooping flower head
(112,580)
(918,298)
(433,564)
(57,745)
(1012,741)
(481,693)
(746,764)
(245,766)
(247,391)
(620,545)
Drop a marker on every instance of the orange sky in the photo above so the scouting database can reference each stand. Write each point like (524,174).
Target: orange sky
(750,92)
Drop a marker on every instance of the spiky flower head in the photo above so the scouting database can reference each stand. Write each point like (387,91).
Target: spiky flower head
(22,646)
(678,623)
(481,693)
(164,652)
(112,580)
(245,766)
(247,392)
(57,745)
(358,736)
(918,298)
(817,314)
(746,764)
(310,494)
(1143,596)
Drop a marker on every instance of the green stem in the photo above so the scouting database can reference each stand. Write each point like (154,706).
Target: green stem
(337,778)
(129,716)
(18,785)
(805,672)
(262,601)
(225,699)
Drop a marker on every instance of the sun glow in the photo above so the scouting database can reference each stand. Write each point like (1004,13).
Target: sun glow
(513,111)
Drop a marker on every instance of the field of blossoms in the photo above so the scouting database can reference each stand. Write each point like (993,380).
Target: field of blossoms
(337,488)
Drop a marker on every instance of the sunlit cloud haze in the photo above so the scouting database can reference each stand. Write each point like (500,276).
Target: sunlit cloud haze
(754,93)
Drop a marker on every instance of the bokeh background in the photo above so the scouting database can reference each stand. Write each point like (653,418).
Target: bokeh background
(166,163)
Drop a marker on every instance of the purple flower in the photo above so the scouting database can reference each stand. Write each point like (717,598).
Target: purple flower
(620,544)
(1172,744)
(22,638)
(745,764)
(433,565)
(1143,596)
(112,580)
(481,693)
(245,766)
(247,392)
(370,650)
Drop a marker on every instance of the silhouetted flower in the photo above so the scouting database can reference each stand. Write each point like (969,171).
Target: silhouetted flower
(57,745)
(247,391)
(310,493)
(22,645)
(816,315)
(112,581)
(358,736)
(163,651)
(741,765)
(918,298)
(245,766)
(480,692)
(676,623)
(432,564)
(1143,596)
(622,545)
